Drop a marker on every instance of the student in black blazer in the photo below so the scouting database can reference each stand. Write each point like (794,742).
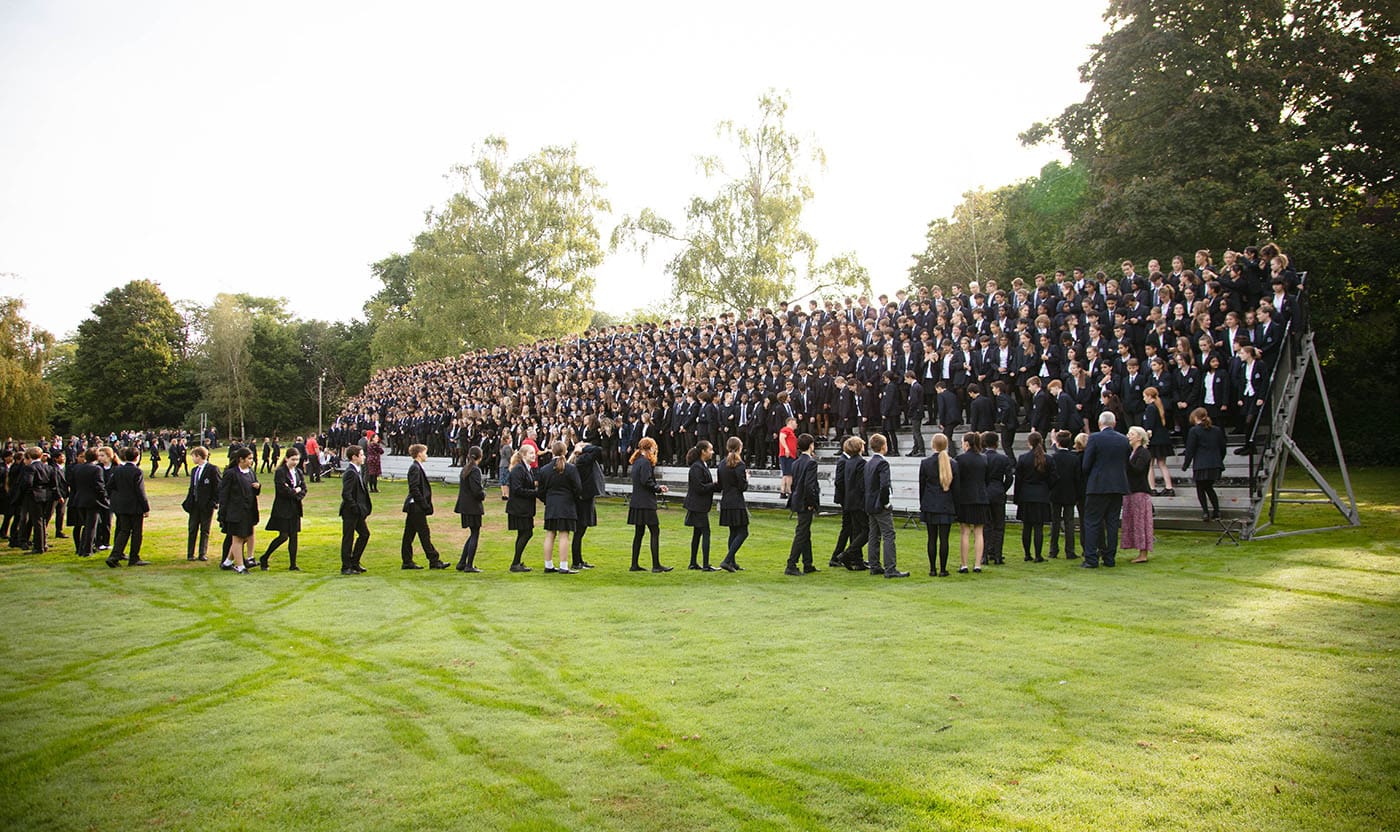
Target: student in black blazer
(641,505)
(41,490)
(417,508)
(733,513)
(876,474)
(588,459)
(238,508)
(1065,494)
(699,498)
(1035,477)
(201,499)
(853,506)
(1205,455)
(1007,417)
(127,493)
(1001,473)
(89,495)
(937,509)
(970,495)
(520,507)
(804,501)
(949,411)
(982,410)
(559,489)
(288,491)
(355,507)
(471,505)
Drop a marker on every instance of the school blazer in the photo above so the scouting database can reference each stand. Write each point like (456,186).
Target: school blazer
(471,492)
(420,490)
(932,497)
(700,487)
(733,482)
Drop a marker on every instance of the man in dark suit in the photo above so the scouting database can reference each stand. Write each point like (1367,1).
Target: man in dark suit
(89,494)
(355,506)
(127,493)
(805,500)
(1105,482)
(877,508)
(1064,494)
(854,505)
(1001,474)
(417,507)
(981,409)
(949,411)
(201,499)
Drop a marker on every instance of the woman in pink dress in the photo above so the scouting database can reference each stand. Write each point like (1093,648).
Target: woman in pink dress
(373,468)
(1137,504)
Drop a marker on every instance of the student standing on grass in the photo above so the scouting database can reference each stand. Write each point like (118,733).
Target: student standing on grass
(471,494)
(587,458)
(520,506)
(238,507)
(853,510)
(40,493)
(288,492)
(877,506)
(733,513)
(937,509)
(127,494)
(1137,505)
(1064,495)
(201,499)
(699,499)
(1035,479)
(417,508)
(89,495)
(1001,474)
(805,500)
(355,506)
(1159,444)
(560,489)
(971,498)
(641,506)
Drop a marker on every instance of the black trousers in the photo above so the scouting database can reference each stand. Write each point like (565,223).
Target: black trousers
(802,540)
(994,536)
(1061,519)
(128,531)
(104,527)
(354,537)
(199,522)
(860,535)
(892,425)
(58,508)
(19,532)
(84,529)
(415,524)
(39,515)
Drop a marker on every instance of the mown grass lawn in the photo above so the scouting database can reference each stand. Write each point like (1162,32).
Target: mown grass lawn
(1213,688)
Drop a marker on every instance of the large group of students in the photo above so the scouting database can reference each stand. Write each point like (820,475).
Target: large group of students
(1172,357)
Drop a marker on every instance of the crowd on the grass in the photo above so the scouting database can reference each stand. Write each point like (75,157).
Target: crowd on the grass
(1060,357)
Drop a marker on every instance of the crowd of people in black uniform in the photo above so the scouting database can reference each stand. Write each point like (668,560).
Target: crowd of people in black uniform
(1179,353)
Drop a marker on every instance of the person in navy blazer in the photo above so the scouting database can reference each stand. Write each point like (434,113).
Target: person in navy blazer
(804,501)
(1105,482)
(877,507)
(89,495)
(201,499)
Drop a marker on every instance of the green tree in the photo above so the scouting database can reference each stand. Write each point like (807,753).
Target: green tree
(26,398)
(1039,211)
(128,361)
(509,259)
(745,245)
(970,245)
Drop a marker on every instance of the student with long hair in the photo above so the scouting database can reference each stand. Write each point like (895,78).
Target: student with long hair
(937,508)
(520,506)
(560,488)
(471,496)
(288,492)
(970,495)
(1159,444)
(1035,477)
(238,507)
(1205,455)
(641,506)
(699,498)
(1137,503)
(733,513)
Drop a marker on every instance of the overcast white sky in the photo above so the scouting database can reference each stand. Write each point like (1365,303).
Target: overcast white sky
(280,148)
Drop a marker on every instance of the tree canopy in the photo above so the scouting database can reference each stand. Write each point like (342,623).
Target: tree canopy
(26,398)
(744,245)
